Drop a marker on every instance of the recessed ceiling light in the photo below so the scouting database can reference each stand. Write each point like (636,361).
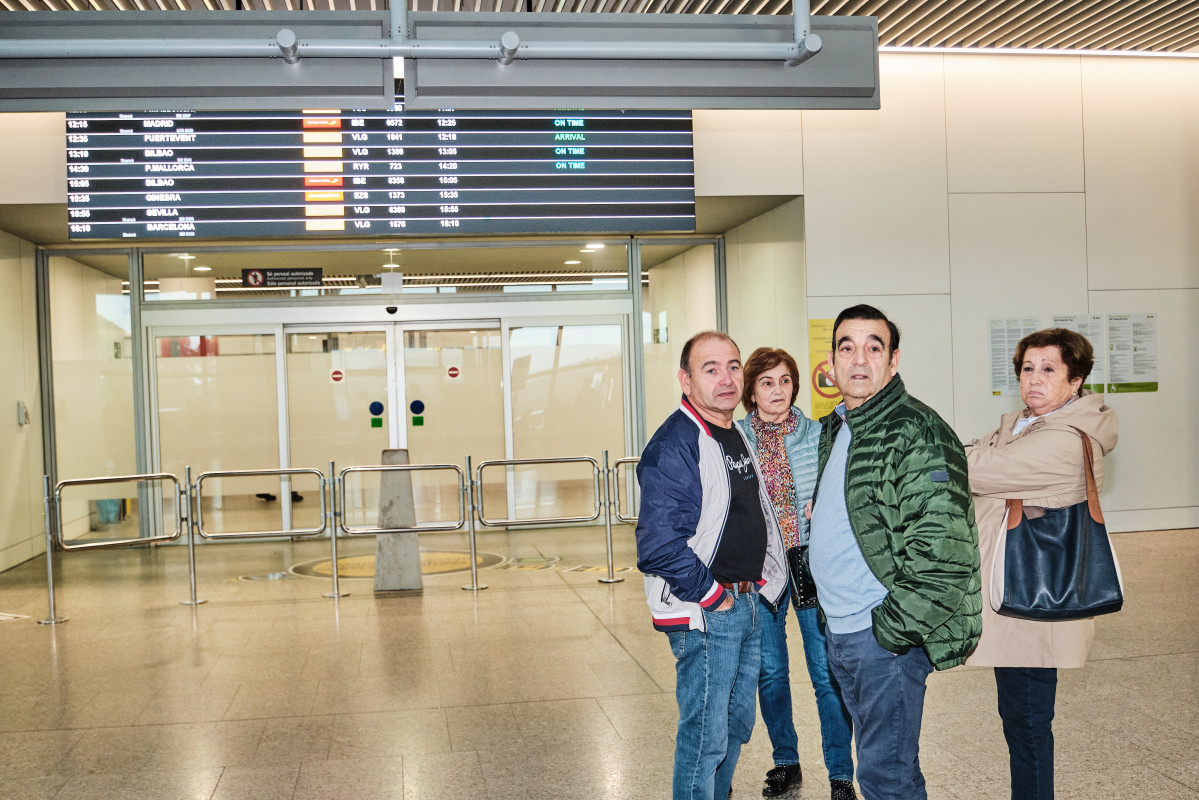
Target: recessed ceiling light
(202,269)
(572,262)
(184,256)
(391,250)
(596,246)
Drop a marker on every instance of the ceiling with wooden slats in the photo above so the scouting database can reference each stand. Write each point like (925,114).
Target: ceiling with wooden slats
(1156,26)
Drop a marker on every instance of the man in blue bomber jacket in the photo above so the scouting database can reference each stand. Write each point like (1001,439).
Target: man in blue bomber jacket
(708,543)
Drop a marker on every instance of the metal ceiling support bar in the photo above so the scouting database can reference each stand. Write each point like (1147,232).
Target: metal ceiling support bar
(287,45)
(807,43)
(398,12)
(291,49)
(277,60)
(664,61)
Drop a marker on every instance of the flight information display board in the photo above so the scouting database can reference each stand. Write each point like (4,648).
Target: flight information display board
(179,174)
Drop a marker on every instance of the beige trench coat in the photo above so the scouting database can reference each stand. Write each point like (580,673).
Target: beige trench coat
(1043,467)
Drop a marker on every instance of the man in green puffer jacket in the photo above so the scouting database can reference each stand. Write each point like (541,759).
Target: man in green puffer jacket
(893,551)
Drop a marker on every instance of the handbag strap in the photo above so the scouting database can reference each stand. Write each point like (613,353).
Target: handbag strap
(1092,486)
(1015,508)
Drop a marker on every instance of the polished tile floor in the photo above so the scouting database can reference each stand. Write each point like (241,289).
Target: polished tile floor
(547,684)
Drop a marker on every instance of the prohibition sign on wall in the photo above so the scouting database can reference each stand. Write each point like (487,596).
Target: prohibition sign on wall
(822,381)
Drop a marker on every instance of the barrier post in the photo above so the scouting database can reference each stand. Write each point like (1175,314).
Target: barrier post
(51,619)
(470,490)
(331,485)
(607,501)
(185,499)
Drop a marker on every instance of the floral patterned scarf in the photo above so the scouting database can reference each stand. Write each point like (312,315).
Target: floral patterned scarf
(776,471)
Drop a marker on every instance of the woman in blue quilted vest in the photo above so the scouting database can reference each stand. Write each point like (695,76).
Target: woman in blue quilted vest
(785,444)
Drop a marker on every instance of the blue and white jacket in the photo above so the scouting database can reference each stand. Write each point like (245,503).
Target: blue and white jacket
(685,494)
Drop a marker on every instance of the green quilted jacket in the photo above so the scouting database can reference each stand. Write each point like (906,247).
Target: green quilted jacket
(910,510)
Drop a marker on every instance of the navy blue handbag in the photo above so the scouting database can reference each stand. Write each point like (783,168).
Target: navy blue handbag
(1059,565)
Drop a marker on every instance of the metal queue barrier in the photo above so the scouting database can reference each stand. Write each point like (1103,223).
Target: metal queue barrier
(616,465)
(606,500)
(600,502)
(358,530)
(198,493)
(54,532)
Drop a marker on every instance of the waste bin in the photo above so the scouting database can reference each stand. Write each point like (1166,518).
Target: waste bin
(109,511)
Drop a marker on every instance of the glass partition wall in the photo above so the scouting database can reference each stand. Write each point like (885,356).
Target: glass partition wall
(262,358)
(91,380)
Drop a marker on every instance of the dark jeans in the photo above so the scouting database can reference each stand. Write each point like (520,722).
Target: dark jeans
(1026,698)
(884,693)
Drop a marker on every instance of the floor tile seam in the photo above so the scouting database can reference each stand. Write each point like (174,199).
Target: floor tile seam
(1063,775)
(1187,733)
(612,634)
(82,729)
(1122,698)
(1141,657)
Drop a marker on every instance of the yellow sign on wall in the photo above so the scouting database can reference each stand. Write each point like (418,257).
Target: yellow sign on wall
(825,395)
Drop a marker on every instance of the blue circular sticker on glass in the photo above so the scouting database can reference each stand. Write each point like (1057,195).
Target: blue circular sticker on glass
(376,408)
(417,407)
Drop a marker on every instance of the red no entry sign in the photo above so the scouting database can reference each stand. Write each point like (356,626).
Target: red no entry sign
(336,376)
(452,372)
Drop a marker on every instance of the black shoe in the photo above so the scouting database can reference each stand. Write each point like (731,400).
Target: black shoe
(267,496)
(780,779)
(843,790)
(296,497)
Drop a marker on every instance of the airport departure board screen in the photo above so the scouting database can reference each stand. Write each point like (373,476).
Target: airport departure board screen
(182,174)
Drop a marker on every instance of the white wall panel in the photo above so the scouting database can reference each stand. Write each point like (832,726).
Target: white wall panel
(33,158)
(1141,118)
(1013,124)
(876,188)
(925,361)
(1010,255)
(21,523)
(767,297)
(748,152)
(1155,467)
(681,295)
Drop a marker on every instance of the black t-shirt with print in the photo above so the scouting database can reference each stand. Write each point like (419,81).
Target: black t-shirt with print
(743,542)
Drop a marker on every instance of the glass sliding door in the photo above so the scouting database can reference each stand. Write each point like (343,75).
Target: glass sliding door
(337,404)
(338,407)
(454,407)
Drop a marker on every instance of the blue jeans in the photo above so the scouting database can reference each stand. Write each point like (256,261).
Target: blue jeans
(774,692)
(1026,699)
(716,675)
(884,693)
(774,684)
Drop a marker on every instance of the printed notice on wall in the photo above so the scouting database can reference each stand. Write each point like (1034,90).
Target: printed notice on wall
(1092,327)
(825,394)
(1131,353)
(1006,333)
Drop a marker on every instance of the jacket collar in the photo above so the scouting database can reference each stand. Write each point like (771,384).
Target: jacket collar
(688,409)
(878,406)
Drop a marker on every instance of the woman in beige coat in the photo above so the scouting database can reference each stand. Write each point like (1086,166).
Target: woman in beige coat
(1035,455)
